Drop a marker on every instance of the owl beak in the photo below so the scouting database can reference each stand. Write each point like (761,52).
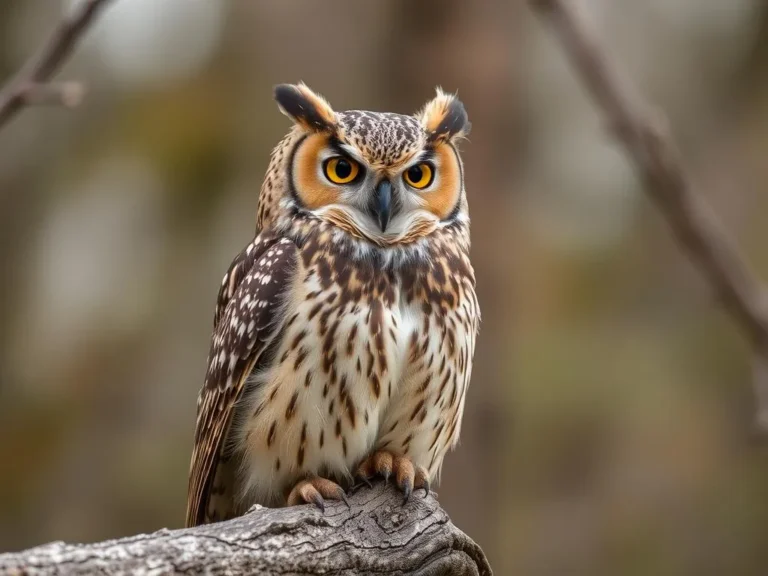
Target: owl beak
(381,204)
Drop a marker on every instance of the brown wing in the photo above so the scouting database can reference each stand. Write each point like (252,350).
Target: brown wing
(248,315)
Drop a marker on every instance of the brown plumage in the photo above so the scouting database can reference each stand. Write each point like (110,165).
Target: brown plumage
(344,333)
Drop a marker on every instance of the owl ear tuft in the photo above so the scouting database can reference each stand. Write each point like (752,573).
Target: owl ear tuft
(305,107)
(444,118)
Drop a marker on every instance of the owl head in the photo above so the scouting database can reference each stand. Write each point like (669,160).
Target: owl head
(382,178)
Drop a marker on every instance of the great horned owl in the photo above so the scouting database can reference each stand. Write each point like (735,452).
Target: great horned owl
(344,332)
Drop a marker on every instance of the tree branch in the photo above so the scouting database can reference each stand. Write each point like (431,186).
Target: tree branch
(30,85)
(644,135)
(377,534)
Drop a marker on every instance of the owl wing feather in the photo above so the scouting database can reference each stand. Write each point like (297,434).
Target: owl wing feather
(248,316)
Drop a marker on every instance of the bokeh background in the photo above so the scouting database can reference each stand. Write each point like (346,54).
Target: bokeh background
(607,428)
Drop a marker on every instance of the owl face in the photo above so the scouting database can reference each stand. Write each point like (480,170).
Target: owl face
(384,178)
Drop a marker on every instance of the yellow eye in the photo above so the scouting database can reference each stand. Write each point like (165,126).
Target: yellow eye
(340,170)
(419,176)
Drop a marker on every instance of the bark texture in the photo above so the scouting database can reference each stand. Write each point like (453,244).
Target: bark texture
(376,535)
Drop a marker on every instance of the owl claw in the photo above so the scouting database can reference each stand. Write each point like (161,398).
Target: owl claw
(407,477)
(422,480)
(319,502)
(407,489)
(314,491)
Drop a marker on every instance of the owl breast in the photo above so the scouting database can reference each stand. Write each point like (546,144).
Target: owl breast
(365,361)
(317,407)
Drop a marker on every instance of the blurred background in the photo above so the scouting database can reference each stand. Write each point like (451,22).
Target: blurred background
(607,428)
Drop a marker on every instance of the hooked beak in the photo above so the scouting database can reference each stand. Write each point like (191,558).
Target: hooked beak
(381,204)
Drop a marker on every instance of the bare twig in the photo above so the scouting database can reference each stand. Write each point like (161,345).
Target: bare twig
(30,85)
(645,137)
(68,94)
(378,534)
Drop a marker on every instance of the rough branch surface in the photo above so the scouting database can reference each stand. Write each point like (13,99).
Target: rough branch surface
(376,535)
(643,133)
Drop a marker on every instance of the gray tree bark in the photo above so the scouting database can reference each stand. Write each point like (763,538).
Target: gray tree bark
(378,534)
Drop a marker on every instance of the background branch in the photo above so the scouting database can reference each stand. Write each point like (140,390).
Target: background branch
(27,87)
(644,134)
(377,534)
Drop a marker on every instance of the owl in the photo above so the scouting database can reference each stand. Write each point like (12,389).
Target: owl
(344,332)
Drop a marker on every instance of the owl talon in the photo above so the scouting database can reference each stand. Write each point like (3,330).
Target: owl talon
(407,489)
(319,502)
(407,477)
(314,491)
(422,480)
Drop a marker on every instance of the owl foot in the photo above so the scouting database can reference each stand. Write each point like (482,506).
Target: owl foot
(407,476)
(315,490)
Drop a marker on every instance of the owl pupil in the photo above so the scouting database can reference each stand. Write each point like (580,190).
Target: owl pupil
(414,173)
(343,169)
